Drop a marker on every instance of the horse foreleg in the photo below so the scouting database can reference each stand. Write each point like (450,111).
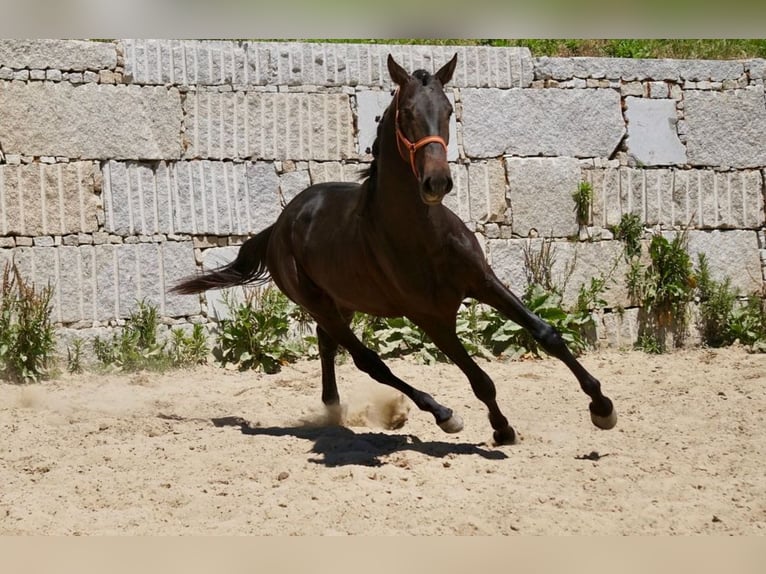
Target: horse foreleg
(328,348)
(443,335)
(494,293)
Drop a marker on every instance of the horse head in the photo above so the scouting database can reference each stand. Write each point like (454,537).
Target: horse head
(422,113)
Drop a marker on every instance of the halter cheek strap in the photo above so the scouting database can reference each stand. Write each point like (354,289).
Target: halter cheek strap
(406,148)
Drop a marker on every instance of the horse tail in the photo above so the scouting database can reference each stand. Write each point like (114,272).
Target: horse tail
(248,267)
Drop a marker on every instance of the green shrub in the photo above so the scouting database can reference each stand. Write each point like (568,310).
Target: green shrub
(724,318)
(26,332)
(256,336)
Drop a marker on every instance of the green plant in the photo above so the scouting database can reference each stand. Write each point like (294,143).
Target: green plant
(538,265)
(256,334)
(666,287)
(189,349)
(650,343)
(629,231)
(724,318)
(74,356)
(136,347)
(26,332)
(583,198)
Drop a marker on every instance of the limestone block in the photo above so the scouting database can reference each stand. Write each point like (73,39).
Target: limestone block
(652,135)
(48,199)
(574,123)
(43,54)
(209,62)
(272,126)
(726,128)
(541,195)
(91,121)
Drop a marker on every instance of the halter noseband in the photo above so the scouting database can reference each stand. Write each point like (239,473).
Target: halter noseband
(401,140)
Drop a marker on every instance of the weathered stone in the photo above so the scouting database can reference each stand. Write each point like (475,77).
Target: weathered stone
(291,184)
(573,266)
(91,121)
(619,330)
(487,190)
(42,199)
(576,263)
(103,282)
(541,195)
(59,54)
(731,253)
(263,190)
(575,123)
(726,128)
(678,197)
(637,69)
(757,69)
(652,137)
(327,171)
(188,62)
(458,199)
(195,197)
(277,126)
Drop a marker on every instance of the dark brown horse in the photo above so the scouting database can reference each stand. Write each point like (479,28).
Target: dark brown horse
(389,247)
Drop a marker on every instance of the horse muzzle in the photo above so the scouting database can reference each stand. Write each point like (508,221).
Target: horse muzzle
(434,188)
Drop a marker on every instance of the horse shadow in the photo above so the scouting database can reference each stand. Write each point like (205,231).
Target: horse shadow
(340,446)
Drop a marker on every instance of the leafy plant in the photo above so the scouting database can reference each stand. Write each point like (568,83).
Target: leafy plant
(723,317)
(26,332)
(650,343)
(136,346)
(189,349)
(583,198)
(667,285)
(74,356)
(256,334)
(629,231)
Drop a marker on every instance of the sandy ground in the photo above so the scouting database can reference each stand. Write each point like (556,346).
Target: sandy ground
(164,454)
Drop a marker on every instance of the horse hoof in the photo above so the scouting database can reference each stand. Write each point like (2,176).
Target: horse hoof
(606,422)
(452,425)
(504,436)
(336,414)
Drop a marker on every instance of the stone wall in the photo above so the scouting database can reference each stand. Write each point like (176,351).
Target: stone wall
(127,165)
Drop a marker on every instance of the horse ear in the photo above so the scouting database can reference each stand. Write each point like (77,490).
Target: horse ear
(446,71)
(398,74)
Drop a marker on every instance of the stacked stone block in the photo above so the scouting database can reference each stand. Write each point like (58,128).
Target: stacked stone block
(127,165)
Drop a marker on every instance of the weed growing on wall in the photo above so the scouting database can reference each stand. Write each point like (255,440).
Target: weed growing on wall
(583,198)
(629,231)
(26,331)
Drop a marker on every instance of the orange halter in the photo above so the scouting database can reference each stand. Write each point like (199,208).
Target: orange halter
(401,140)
